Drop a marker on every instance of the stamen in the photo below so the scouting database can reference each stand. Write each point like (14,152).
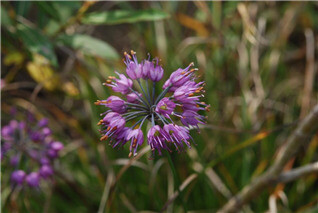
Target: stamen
(103,138)
(134,143)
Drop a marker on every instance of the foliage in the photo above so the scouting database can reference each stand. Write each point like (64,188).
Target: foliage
(255,58)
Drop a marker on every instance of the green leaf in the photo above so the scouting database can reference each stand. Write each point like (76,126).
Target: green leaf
(89,45)
(123,16)
(5,19)
(49,9)
(66,10)
(22,8)
(36,42)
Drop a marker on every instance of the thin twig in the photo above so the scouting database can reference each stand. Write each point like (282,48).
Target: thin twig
(127,203)
(298,138)
(104,198)
(123,170)
(310,72)
(181,188)
(218,183)
(297,173)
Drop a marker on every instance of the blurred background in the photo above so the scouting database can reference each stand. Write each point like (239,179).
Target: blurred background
(259,63)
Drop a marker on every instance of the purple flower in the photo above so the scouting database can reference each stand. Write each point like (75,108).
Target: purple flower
(57,146)
(54,149)
(29,144)
(191,118)
(152,71)
(133,97)
(116,104)
(44,160)
(36,136)
(14,160)
(14,124)
(120,137)
(122,85)
(113,122)
(46,171)
(134,69)
(46,131)
(165,107)
(179,77)
(186,93)
(124,120)
(137,138)
(177,134)
(18,176)
(51,153)
(7,132)
(43,122)
(33,179)
(156,139)
(147,67)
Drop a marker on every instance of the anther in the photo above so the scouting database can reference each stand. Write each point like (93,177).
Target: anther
(104,138)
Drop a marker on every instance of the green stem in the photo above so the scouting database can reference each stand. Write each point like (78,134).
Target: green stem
(176,180)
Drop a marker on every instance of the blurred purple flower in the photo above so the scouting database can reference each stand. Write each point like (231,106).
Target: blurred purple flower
(46,171)
(43,122)
(31,141)
(14,160)
(17,177)
(33,179)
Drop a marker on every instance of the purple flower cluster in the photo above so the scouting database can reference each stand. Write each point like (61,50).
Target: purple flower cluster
(170,117)
(28,147)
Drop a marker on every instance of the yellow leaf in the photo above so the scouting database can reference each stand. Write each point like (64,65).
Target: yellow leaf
(193,24)
(13,58)
(70,89)
(42,72)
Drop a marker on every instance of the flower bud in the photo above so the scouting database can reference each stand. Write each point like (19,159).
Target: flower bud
(18,176)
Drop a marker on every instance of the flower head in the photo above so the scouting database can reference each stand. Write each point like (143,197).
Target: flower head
(170,115)
(29,148)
